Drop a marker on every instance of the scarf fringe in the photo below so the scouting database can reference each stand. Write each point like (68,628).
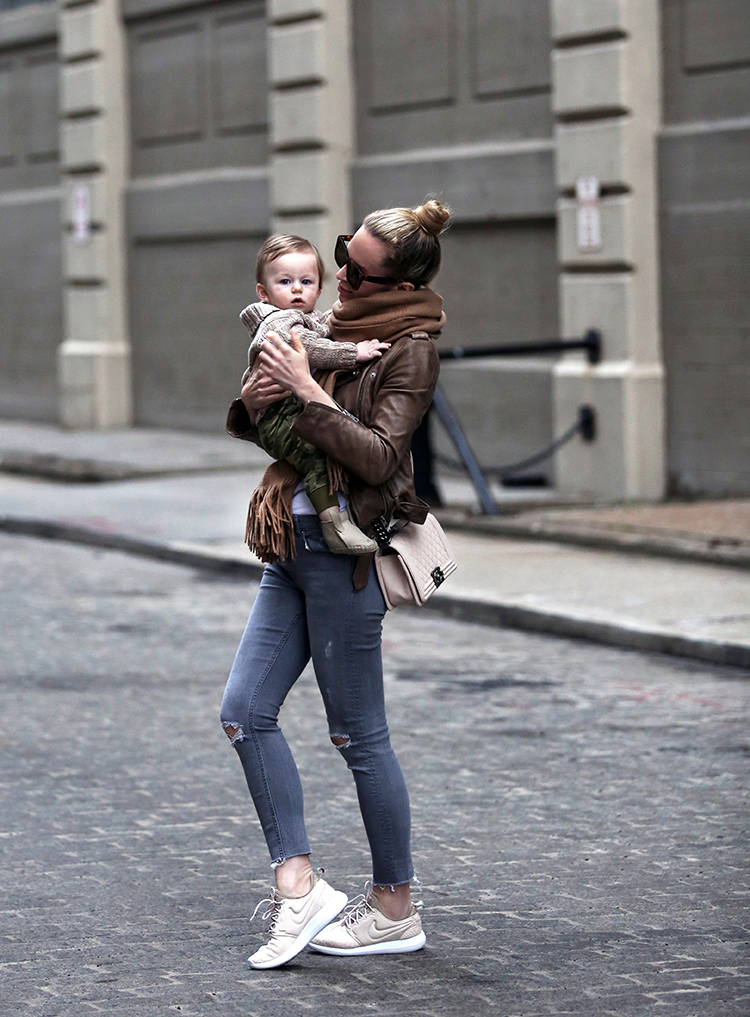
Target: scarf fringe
(269,531)
(338,476)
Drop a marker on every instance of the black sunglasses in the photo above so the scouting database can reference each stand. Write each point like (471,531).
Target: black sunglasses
(355,274)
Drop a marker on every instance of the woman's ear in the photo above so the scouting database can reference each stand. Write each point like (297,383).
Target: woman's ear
(262,293)
(405,286)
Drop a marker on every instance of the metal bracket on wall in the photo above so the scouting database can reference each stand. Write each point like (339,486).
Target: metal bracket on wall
(451,423)
(591,343)
(585,425)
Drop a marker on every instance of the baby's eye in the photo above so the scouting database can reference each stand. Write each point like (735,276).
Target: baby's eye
(308,282)
(284,282)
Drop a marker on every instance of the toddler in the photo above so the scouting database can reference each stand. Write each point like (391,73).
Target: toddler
(289,274)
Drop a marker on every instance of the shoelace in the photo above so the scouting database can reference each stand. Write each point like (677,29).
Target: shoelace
(274,907)
(272,911)
(358,908)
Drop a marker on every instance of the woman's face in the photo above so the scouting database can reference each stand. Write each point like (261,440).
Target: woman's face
(370,254)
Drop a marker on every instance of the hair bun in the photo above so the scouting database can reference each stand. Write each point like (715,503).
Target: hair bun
(432,217)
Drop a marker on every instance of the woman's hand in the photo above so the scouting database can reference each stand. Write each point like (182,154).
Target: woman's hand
(288,366)
(259,391)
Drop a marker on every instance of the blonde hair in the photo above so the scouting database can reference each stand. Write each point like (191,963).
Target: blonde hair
(286,243)
(411,236)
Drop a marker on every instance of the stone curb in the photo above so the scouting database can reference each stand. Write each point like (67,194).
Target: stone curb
(178,554)
(514,616)
(711,551)
(559,623)
(68,470)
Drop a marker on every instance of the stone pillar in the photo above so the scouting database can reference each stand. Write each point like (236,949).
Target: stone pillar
(311,123)
(94,359)
(606,98)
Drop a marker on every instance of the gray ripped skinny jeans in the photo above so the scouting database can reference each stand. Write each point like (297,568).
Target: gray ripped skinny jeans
(308,607)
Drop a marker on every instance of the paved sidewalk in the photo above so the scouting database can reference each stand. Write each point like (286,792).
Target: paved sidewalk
(716,532)
(672,578)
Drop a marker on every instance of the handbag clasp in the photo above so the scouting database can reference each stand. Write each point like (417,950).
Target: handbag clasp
(438,576)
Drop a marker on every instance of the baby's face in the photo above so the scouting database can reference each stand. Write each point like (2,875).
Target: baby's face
(291,281)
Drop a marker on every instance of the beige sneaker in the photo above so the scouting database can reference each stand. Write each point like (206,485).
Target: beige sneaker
(294,922)
(364,928)
(342,535)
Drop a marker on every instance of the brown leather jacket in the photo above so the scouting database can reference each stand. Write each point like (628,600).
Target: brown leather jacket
(384,401)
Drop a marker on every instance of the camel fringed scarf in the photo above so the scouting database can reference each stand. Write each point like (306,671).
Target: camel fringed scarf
(269,531)
(387,316)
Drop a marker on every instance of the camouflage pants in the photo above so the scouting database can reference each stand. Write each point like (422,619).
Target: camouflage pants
(278,440)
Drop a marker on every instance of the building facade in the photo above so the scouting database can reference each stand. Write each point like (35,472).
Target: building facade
(595,153)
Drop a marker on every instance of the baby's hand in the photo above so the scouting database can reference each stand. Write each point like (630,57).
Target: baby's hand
(369,349)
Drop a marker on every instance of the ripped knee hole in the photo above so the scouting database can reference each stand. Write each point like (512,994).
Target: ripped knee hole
(340,741)
(233,732)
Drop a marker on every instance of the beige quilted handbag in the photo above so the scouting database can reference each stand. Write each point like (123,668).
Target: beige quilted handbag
(413,563)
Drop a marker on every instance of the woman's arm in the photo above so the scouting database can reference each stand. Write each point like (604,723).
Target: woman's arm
(279,369)
(258,391)
(402,398)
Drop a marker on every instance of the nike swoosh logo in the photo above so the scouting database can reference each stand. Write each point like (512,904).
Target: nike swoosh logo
(302,917)
(382,934)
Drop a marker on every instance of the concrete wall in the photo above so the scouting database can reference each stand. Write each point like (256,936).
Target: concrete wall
(192,265)
(458,104)
(607,102)
(9,5)
(30,254)
(705,243)
(197,203)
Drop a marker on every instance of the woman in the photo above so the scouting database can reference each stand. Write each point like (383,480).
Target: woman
(313,603)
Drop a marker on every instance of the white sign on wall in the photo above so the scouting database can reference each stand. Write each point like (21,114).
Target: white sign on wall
(81,212)
(588,214)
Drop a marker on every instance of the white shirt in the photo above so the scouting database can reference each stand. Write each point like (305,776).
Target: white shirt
(302,506)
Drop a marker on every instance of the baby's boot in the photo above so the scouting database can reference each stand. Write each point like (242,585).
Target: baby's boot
(341,535)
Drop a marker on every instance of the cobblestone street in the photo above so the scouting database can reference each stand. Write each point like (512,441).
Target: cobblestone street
(579,813)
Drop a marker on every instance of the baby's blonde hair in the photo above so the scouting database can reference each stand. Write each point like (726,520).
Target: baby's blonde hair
(286,243)
(411,236)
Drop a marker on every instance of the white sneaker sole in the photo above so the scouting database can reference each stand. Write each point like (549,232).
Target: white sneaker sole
(389,946)
(316,924)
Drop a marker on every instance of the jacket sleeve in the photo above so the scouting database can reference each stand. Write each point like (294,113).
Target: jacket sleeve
(238,423)
(401,398)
